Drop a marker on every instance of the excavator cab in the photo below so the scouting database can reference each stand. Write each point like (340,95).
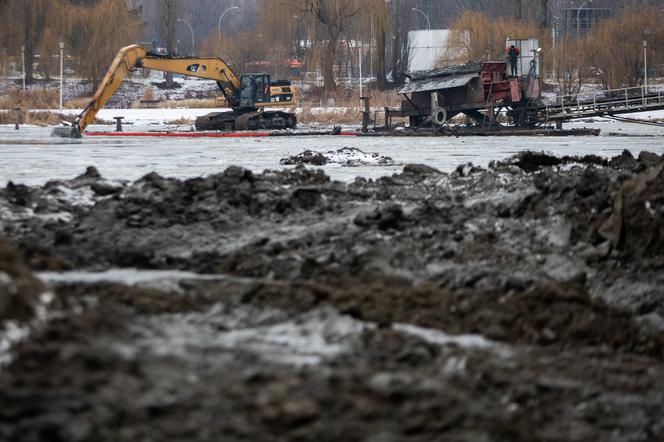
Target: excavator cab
(254,89)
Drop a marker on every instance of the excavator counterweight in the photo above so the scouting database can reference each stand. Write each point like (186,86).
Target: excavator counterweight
(248,95)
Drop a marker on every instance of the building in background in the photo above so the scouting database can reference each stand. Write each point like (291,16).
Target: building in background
(577,17)
(431,49)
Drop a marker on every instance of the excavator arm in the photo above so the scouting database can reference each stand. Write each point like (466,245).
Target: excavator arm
(208,68)
(132,57)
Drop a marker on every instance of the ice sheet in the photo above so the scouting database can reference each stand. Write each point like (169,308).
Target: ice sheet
(31,156)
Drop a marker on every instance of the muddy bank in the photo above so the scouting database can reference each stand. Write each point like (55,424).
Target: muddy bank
(520,302)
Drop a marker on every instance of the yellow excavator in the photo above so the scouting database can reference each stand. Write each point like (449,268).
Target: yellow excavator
(248,95)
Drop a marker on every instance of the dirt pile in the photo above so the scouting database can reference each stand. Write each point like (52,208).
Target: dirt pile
(518,302)
(636,225)
(19,289)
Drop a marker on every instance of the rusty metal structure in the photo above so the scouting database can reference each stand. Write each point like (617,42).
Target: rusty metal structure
(479,90)
(482,91)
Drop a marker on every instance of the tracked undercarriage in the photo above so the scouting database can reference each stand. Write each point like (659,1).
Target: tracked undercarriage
(237,120)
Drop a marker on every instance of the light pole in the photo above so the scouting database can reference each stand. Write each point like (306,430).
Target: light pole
(360,46)
(578,17)
(193,43)
(222,16)
(646,32)
(371,44)
(62,68)
(23,61)
(425,16)
(4,61)
(645,65)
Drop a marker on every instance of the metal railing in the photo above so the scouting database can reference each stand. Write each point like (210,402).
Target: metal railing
(604,102)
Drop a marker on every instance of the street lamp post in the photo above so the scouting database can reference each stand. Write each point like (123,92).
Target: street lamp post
(360,46)
(425,16)
(645,65)
(646,33)
(578,16)
(193,42)
(62,68)
(371,44)
(23,61)
(222,16)
(578,27)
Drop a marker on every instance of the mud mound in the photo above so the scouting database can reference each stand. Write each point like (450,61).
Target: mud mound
(530,161)
(478,305)
(548,313)
(306,157)
(636,225)
(19,290)
(140,364)
(346,157)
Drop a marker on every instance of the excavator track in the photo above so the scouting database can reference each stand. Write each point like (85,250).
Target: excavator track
(256,120)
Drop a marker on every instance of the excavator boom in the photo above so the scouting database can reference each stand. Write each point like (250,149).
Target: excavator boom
(233,87)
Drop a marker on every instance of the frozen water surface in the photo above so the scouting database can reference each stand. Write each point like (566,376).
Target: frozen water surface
(32,156)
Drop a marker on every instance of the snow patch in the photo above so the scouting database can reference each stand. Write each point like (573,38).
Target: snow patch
(346,157)
(438,337)
(127,276)
(14,332)
(353,157)
(272,335)
(11,333)
(82,196)
(500,197)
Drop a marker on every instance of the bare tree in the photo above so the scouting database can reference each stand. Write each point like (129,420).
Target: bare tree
(168,11)
(97,34)
(400,23)
(614,48)
(328,19)
(30,15)
(380,24)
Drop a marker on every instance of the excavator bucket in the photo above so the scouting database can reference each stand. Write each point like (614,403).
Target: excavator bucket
(66,132)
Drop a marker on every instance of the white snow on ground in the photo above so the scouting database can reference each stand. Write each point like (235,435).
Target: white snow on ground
(138,116)
(307,339)
(164,115)
(167,280)
(128,276)
(81,196)
(15,332)
(11,333)
(20,214)
(273,335)
(651,115)
(441,338)
(354,157)
(130,91)
(304,340)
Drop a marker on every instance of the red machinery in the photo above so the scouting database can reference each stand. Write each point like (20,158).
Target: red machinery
(480,90)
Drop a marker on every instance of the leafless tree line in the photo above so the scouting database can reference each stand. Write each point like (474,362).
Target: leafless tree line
(92,31)
(326,35)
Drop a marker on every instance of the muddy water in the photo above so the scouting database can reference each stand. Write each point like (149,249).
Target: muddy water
(519,302)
